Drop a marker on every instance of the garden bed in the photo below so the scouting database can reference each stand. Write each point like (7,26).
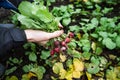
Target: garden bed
(93,52)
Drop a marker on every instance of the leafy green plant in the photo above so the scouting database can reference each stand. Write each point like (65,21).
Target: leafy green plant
(36,16)
(86,50)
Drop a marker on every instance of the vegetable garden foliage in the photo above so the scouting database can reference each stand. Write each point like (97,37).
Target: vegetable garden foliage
(88,50)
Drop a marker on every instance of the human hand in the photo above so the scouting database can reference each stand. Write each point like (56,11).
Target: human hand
(41,37)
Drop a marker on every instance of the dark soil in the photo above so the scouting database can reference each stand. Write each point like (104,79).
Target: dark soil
(5,18)
(5,15)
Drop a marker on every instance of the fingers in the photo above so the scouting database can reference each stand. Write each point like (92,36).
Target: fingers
(55,34)
(42,43)
(60,25)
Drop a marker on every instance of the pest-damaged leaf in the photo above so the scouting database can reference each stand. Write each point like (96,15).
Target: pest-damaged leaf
(93,68)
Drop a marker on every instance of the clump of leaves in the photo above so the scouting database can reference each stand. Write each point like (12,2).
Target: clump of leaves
(36,16)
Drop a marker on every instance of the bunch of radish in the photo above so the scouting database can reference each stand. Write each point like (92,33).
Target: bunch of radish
(61,46)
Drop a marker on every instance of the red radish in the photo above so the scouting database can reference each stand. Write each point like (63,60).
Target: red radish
(71,34)
(67,40)
(57,49)
(56,43)
(63,43)
(63,48)
(52,52)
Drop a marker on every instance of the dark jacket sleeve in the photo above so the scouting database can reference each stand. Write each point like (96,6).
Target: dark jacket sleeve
(10,39)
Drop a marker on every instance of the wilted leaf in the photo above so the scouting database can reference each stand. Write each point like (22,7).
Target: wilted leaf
(78,65)
(30,74)
(89,76)
(62,73)
(69,75)
(57,67)
(77,74)
(111,74)
(63,58)
(93,46)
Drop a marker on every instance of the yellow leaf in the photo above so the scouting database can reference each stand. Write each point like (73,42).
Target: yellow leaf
(89,76)
(79,35)
(93,46)
(85,0)
(68,75)
(13,78)
(53,78)
(62,73)
(57,67)
(76,74)
(30,74)
(63,58)
(78,65)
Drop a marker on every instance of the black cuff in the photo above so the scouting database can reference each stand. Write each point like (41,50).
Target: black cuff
(18,36)
(10,39)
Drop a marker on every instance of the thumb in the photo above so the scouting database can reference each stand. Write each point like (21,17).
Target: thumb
(56,34)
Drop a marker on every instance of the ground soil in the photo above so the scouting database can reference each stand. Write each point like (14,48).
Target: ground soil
(5,18)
